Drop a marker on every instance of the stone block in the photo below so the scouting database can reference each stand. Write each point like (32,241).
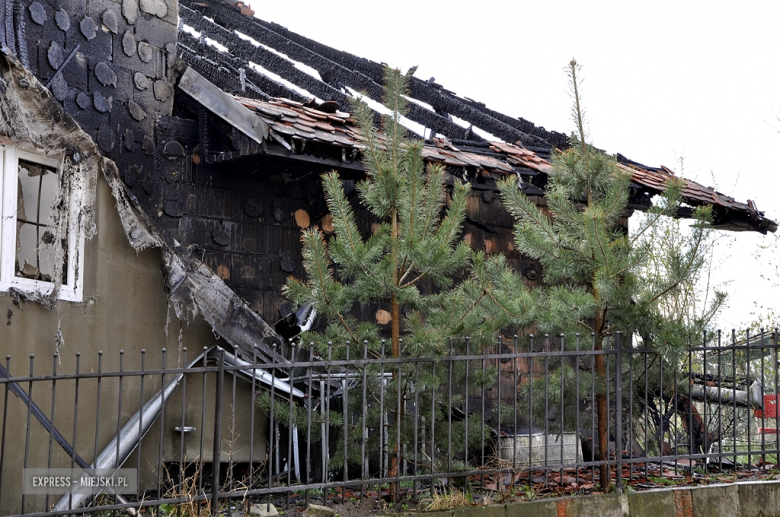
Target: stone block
(715,500)
(683,502)
(156,31)
(315,510)
(76,9)
(76,72)
(173,12)
(263,510)
(96,8)
(759,499)
(89,119)
(437,513)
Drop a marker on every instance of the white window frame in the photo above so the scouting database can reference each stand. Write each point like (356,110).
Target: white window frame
(73,289)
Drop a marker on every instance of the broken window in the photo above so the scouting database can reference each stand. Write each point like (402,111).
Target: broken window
(37,187)
(37,239)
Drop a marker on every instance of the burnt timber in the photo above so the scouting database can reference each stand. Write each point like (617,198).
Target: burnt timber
(273,186)
(226,181)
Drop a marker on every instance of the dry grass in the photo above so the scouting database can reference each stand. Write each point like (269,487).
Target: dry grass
(447,500)
(187,487)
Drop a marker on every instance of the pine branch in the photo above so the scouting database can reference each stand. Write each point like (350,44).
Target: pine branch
(574,68)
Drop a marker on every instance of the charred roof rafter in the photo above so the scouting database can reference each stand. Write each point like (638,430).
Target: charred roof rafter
(203,57)
(246,52)
(226,22)
(498,124)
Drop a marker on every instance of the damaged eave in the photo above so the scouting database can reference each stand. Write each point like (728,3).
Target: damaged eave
(220,103)
(29,113)
(291,129)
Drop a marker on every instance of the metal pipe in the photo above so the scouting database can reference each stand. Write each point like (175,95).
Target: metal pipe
(752,398)
(260,375)
(120,448)
(217,451)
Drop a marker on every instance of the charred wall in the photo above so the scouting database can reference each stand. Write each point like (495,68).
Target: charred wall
(117,85)
(243,216)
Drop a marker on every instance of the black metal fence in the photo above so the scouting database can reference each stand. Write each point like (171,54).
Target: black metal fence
(348,418)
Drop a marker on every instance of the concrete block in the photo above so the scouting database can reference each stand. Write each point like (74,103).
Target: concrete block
(715,500)
(759,499)
(542,508)
(658,503)
(493,510)
(589,506)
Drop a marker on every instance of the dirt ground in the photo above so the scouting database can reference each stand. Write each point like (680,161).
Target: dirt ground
(507,488)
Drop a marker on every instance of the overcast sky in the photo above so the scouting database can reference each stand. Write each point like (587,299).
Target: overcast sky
(663,80)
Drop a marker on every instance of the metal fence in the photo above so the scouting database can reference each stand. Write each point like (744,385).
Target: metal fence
(349,418)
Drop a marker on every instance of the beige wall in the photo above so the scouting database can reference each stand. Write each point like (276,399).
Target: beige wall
(126,309)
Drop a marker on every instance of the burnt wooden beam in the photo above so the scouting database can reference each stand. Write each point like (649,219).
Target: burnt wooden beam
(227,21)
(444,101)
(272,148)
(208,61)
(245,51)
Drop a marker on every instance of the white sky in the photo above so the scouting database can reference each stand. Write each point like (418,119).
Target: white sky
(663,80)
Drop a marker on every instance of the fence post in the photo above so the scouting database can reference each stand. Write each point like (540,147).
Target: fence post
(217,451)
(618,413)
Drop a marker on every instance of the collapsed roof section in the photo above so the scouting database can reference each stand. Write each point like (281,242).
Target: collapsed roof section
(305,68)
(297,86)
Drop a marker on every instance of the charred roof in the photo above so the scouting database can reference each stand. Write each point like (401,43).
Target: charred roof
(261,68)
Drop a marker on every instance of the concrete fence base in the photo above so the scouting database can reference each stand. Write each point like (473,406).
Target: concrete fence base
(758,499)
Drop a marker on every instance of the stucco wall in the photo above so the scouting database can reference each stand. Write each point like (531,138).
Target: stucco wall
(125,308)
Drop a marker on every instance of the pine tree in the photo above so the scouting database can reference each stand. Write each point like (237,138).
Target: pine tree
(596,274)
(416,263)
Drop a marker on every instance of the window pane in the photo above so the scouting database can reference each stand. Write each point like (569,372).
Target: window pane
(38,187)
(27,243)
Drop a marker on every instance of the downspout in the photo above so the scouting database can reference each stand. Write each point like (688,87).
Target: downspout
(130,435)
(128,438)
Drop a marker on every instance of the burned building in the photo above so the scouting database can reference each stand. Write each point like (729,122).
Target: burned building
(155,185)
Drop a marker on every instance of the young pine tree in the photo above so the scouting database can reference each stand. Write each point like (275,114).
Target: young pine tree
(411,263)
(595,272)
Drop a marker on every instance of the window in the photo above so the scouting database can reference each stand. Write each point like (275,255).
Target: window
(38,250)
